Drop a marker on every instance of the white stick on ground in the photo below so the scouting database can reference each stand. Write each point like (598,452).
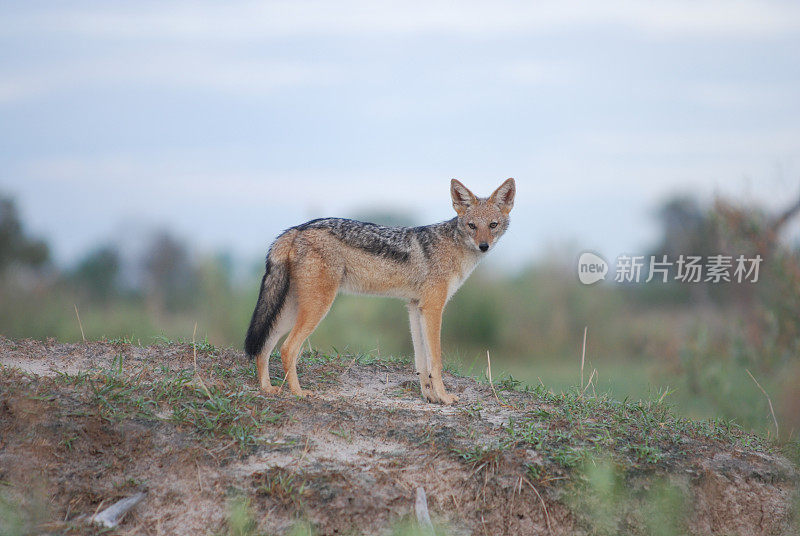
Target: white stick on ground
(111,516)
(421,507)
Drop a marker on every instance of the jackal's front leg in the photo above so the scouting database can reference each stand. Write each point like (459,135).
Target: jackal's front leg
(420,354)
(431,329)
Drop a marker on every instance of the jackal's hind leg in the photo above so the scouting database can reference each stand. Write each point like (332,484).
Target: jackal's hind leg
(282,326)
(420,354)
(316,288)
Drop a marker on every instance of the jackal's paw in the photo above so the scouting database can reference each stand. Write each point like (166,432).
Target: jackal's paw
(444,398)
(447,399)
(427,393)
(302,393)
(270,390)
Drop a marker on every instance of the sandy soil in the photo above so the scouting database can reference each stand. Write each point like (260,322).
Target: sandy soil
(347,459)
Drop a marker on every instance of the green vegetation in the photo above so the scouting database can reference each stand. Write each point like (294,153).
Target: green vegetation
(241,522)
(575,428)
(228,408)
(284,486)
(700,340)
(609,503)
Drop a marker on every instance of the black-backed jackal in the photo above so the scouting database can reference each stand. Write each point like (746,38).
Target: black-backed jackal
(309,264)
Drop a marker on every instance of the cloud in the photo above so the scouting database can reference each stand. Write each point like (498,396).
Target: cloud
(677,146)
(257,20)
(214,46)
(738,96)
(211,178)
(539,72)
(237,76)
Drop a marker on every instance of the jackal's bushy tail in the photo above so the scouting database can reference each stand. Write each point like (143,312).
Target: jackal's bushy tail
(271,297)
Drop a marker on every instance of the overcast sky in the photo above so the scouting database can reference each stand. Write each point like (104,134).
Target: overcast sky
(227,122)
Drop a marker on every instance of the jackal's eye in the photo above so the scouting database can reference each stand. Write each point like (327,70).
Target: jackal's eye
(493,224)
(471,226)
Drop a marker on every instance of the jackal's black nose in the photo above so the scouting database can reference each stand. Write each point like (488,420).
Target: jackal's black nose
(483,246)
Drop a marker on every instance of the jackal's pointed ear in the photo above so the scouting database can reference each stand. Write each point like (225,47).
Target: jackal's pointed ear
(462,197)
(503,197)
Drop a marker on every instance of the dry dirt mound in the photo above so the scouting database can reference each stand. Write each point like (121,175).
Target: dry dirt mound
(83,425)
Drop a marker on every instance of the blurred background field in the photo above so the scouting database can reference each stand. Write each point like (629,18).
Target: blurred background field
(149,153)
(692,343)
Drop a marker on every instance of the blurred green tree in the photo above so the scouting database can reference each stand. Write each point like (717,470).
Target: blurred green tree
(15,246)
(98,274)
(170,276)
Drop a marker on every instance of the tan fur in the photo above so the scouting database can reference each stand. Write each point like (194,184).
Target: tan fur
(321,265)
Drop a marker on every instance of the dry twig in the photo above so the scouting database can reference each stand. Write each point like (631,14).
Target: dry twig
(491,383)
(196,371)
(769,401)
(544,506)
(583,352)
(80,325)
